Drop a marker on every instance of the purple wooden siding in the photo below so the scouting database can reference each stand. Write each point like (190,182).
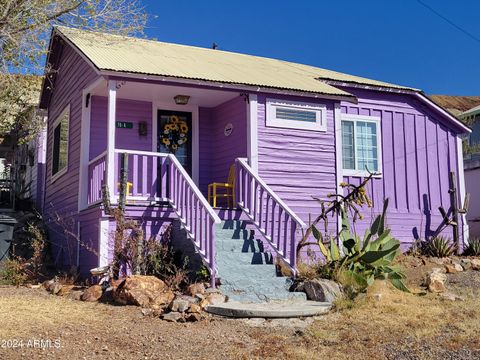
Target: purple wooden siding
(90,238)
(297,164)
(418,151)
(217,151)
(61,196)
(127,110)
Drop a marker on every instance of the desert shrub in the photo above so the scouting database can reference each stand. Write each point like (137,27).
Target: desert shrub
(473,248)
(439,246)
(161,260)
(12,272)
(361,260)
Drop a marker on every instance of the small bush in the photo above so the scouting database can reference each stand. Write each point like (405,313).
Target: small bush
(12,272)
(440,247)
(473,248)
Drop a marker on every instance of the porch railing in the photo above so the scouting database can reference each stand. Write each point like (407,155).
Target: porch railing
(274,219)
(96,178)
(160,177)
(194,212)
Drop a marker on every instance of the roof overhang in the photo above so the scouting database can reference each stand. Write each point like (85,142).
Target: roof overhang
(420,95)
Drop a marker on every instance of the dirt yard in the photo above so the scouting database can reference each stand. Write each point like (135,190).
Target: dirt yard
(398,326)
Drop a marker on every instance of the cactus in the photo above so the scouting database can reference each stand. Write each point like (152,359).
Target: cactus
(363,260)
(473,248)
(440,247)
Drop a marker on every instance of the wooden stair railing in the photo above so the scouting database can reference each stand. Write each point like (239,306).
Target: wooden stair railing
(272,217)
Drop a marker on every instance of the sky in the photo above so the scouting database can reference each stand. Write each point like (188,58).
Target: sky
(399,41)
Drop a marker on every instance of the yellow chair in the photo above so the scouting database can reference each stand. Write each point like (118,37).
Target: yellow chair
(129,190)
(229,188)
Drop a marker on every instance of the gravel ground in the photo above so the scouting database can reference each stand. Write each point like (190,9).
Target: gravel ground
(400,326)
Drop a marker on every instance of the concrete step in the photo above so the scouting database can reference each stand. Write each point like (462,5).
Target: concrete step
(283,309)
(239,271)
(245,258)
(263,296)
(239,246)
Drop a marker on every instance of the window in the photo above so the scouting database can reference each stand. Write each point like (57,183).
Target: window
(296,115)
(60,144)
(361,145)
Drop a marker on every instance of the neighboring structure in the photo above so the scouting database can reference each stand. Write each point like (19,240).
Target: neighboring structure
(294,131)
(467,109)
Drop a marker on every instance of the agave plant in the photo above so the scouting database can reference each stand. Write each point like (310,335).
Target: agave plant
(440,247)
(473,248)
(361,261)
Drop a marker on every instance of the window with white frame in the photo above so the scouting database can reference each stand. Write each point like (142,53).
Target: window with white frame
(60,143)
(296,115)
(361,144)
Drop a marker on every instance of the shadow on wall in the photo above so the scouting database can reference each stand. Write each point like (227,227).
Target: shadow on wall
(427,212)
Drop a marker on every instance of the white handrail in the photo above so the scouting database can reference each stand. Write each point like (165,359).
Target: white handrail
(140,152)
(195,189)
(272,194)
(98,157)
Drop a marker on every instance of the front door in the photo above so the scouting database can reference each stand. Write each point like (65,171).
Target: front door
(175,136)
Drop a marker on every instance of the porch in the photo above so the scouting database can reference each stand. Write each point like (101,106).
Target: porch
(122,128)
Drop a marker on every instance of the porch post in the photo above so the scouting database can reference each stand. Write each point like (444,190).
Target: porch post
(252,129)
(112,107)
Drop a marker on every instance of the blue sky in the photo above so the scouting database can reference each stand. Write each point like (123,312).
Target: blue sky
(396,41)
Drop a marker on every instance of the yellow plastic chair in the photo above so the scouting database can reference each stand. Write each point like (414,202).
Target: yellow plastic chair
(129,190)
(228,188)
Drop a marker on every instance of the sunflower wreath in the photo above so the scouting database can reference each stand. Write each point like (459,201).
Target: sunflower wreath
(174,133)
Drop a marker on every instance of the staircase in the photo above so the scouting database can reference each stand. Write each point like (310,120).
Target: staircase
(246,269)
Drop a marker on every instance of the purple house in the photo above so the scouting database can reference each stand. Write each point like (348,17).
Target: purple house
(185,114)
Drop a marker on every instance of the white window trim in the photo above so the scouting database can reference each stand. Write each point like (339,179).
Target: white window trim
(55,123)
(364,118)
(320,109)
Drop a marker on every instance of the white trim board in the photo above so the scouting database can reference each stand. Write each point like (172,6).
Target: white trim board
(339,157)
(462,191)
(252,132)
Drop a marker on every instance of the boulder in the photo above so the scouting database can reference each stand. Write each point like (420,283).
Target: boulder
(322,290)
(75,295)
(453,268)
(179,305)
(475,264)
(144,291)
(172,316)
(197,288)
(215,299)
(93,293)
(194,308)
(466,263)
(436,280)
(65,290)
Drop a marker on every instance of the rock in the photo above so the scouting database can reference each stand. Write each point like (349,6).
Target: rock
(436,280)
(194,308)
(450,296)
(212,291)
(204,303)
(200,297)
(144,291)
(179,305)
(322,290)
(147,312)
(193,317)
(75,295)
(107,296)
(475,264)
(215,299)
(93,293)
(453,268)
(197,288)
(438,261)
(65,290)
(466,264)
(172,316)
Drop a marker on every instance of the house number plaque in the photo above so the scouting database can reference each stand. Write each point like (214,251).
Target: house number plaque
(228,129)
(124,125)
